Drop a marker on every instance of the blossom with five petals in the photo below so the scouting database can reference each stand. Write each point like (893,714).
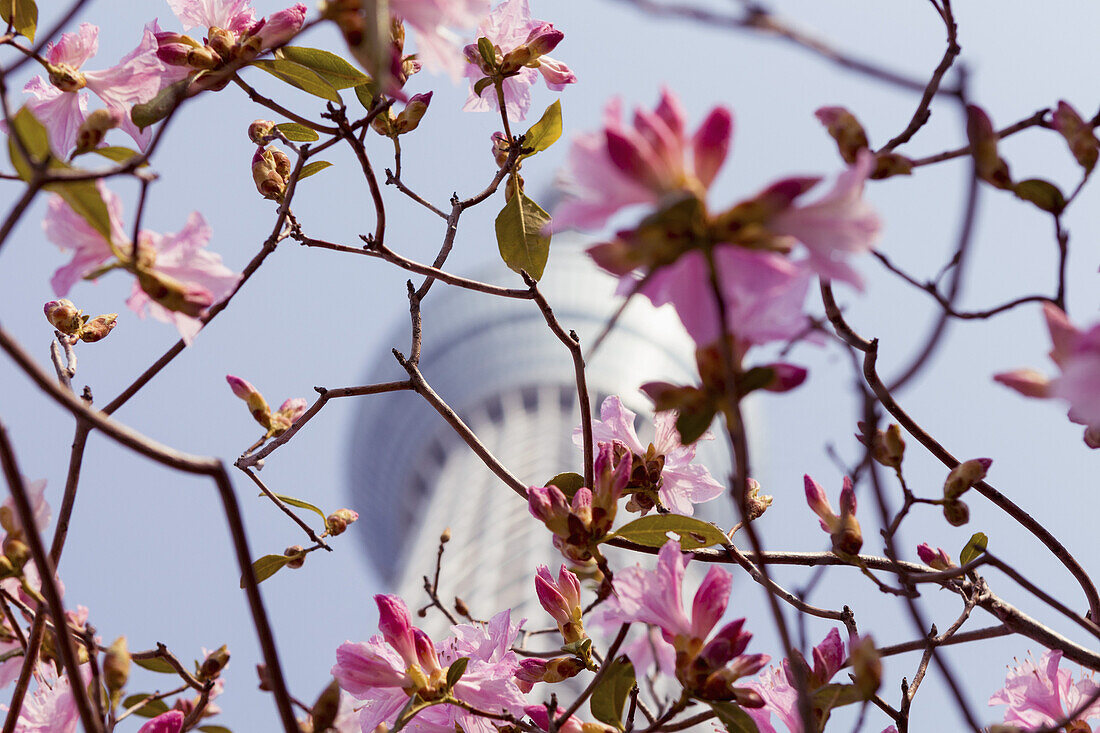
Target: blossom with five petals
(1077,354)
(662,470)
(1040,695)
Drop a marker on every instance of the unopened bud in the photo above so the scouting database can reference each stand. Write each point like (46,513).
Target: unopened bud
(214,663)
(936,558)
(17,552)
(221,41)
(264,677)
(965,475)
(116,665)
(339,520)
(64,316)
(887,446)
(785,377)
(98,328)
(298,553)
(543,39)
(983,144)
(956,512)
(414,111)
(891,164)
(266,164)
(95,127)
(260,130)
(500,148)
(461,607)
(445,536)
(189,299)
(843,126)
(866,667)
(848,538)
(173,48)
(326,708)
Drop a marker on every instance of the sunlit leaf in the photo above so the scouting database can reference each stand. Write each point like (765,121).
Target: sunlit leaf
(156,664)
(546,131)
(521,238)
(297,133)
(654,530)
(25,15)
(160,106)
(315,167)
(299,76)
(335,70)
(1043,194)
(568,482)
(267,566)
(151,709)
(974,547)
(456,670)
(610,694)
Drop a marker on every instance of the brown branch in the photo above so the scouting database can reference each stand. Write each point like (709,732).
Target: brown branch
(274,106)
(285,509)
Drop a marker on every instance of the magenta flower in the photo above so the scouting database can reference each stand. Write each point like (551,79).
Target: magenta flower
(385,671)
(664,469)
(934,557)
(1040,695)
(763,294)
(839,224)
(620,165)
(519,39)
(561,598)
(437,44)
(1077,354)
(170,722)
(60,105)
(844,530)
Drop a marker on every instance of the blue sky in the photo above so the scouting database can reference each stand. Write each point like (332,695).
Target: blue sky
(148,552)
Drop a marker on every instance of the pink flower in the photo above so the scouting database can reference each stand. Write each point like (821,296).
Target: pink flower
(188,277)
(438,47)
(51,708)
(519,38)
(385,671)
(1040,695)
(776,685)
(560,598)
(839,224)
(1077,354)
(620,165)
(278,28)
(678,482)
(844,530)
(62,107)
(763,294)
(541,717)
(170,722)
(935,558)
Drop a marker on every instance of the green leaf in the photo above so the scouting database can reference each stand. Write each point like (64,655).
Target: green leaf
(366,93)
(156,664)
(160,106)
(297,133)
(974,547)
(568,482)
(834,695)
(85,199)
(523,244)
(481,84)
(267,566)
(299,76)
(333,69)
(315,167)
(117,153)
(653,531)
(488,53)
(734,717)
(214,729)
(1043,194)
(456,670)
(35,139)
(412,707)
(299,503)
(691,424)
(610,694)
(151,709)
(546,131)
(25,14)
(754,379)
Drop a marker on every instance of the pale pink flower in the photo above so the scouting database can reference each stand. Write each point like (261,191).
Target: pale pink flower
(236,16)
(839,224)
(438,46)
(763,294)
(62,107)
(1077,354)
(776,685)
(509,27)
(36,492)
(51,708)
(682,484)
(1039,695)
(541,717)
(386,670)
(170,722)
(181,257)
(623,165)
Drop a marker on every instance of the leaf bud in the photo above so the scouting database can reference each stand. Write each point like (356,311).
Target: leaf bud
(264,677)
(461,607)
(887,446)
(1078,134)
(64,316)
(326,708)
(866,667)
(260,130)
(298,553)
(843,126)
(214,663)
(116,665)
(990,166)
(936,558)
(956,512)
(98,328)
(339,520)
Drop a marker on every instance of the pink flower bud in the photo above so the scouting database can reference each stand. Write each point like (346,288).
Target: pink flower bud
(786,377)
(711,144)
(259,131)
(549,505)
(64,316)
(414,111)
(241,388)
(965,475)
(396,626)
(170,722)
(282,26)
(338,522)
(1027,382)
(293,408)
(819,503)
(934,558)
(555,73)
(98,328)
(847,497)
(425,652)
(845,129)
(543,39)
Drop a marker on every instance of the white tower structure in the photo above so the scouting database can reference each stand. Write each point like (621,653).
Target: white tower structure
(512,382)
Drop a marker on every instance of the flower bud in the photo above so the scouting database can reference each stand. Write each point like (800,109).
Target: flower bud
(298,553)
(264,677)
(189,299)
(214,663)
(339,520)
(543,39)
(221,41)
(64,316)
(965,475)
(936,558)
(756,503)
(95,127)
(414,111)
(1027,382)
(549,505)
(956,512)
(444,536)
(785,377)
(326,708)
(461,607)
(887,446)
(1078,134)
(260,130)
(555,73)
(843,126)
(17,552)
(116,665)
(282,26)
(174,48)
(98,328)
(819,503)
(499,148)
(266,164)
(610,481)
(866,667)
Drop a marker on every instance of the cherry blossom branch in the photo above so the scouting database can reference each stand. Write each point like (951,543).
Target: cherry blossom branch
(250,460)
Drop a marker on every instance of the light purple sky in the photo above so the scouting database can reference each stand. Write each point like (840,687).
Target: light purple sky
(149,553)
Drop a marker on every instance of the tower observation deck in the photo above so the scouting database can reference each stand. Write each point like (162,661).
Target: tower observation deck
(512,382)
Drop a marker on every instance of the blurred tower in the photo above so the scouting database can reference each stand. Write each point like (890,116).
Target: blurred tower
(512,382)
